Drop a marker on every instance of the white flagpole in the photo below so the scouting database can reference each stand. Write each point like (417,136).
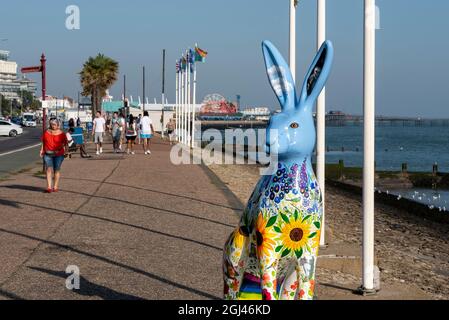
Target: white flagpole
(189,141)
(292,49)
(176,103)
(182,105)
(185,106)
(369,146)
(194,105)
(321,120)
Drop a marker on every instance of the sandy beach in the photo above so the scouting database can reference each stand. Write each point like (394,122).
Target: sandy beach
(410,250)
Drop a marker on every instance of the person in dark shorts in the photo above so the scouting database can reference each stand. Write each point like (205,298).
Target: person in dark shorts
(131,134)
(53,151)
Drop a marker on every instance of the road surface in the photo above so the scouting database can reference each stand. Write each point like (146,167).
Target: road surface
(19,152)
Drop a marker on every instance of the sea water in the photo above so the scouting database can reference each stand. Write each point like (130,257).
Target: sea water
(419,147)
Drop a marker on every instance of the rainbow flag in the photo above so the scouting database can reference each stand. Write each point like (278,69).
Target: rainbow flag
(200,55)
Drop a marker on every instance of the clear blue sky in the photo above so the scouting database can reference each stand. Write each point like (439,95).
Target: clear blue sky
(412,60)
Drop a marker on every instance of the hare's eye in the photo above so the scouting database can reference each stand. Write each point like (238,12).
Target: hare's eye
(294,125)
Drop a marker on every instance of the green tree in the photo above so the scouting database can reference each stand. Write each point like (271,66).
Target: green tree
(98,75)
(29,102)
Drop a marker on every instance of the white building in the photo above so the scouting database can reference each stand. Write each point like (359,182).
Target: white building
(258,113)
(10,85)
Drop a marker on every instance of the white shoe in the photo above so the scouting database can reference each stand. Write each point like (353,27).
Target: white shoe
(101,150)
(133,152)
(97,153)
(145,152)
(149,152)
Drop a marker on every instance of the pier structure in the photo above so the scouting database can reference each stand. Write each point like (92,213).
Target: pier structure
(341,120)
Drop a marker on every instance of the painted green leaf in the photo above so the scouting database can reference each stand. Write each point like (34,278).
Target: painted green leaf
(279,248)
(296,215)
(286,252)
(298,253)
(317,224)
(306,218)
(296,200)
(277,229)
(271,221)
(308,248)
(312,235)
(285,218)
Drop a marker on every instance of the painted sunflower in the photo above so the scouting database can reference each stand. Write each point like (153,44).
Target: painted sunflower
(239,239)
(265,237)
(295,234)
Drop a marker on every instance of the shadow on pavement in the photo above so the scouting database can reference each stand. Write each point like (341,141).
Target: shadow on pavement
(10,295)
(238,209)
(37,189)
(9,203)
(336,287)
(115,263)
(90,289)
(115,222)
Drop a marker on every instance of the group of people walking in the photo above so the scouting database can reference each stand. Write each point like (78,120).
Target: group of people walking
(122,130)
(56,143)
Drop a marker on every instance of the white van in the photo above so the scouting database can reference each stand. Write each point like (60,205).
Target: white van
(29,119)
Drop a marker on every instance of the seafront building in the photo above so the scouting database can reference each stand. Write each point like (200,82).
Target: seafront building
(10,83)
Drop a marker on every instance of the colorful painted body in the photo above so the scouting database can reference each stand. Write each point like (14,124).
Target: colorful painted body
(273,252)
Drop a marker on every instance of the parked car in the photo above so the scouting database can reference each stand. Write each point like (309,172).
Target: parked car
(17,120)
(9,129)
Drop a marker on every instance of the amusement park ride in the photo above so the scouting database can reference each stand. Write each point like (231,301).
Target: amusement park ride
(215,104)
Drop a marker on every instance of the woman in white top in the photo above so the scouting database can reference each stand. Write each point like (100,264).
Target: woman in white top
(131,134)
(146,131)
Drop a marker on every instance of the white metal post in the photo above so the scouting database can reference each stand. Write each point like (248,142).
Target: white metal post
(176,104)
(189,104)
(182,106)
(292,49)
(194,105)
(185,106)
(321,121)
(369,145)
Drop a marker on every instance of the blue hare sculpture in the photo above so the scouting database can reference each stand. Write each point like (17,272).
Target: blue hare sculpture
(273,252)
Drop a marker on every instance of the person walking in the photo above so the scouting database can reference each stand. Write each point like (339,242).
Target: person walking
(99,129)
(138,128)
(53,151)
(116,132)
(131,134)
(171,125)
(146,131)
(122,125)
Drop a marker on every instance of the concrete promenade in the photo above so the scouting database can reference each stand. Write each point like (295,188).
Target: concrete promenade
(137,227)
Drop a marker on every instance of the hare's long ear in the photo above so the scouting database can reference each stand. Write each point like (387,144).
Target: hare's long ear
(317,75)
(280,77)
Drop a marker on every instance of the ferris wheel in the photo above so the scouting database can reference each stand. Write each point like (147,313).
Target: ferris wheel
(213,98)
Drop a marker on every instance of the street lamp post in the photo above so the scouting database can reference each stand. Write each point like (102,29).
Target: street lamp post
(78,106)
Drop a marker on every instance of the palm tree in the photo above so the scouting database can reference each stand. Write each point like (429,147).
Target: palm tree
(98,75)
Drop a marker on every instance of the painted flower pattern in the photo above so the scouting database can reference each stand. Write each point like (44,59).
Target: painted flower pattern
(264,237)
